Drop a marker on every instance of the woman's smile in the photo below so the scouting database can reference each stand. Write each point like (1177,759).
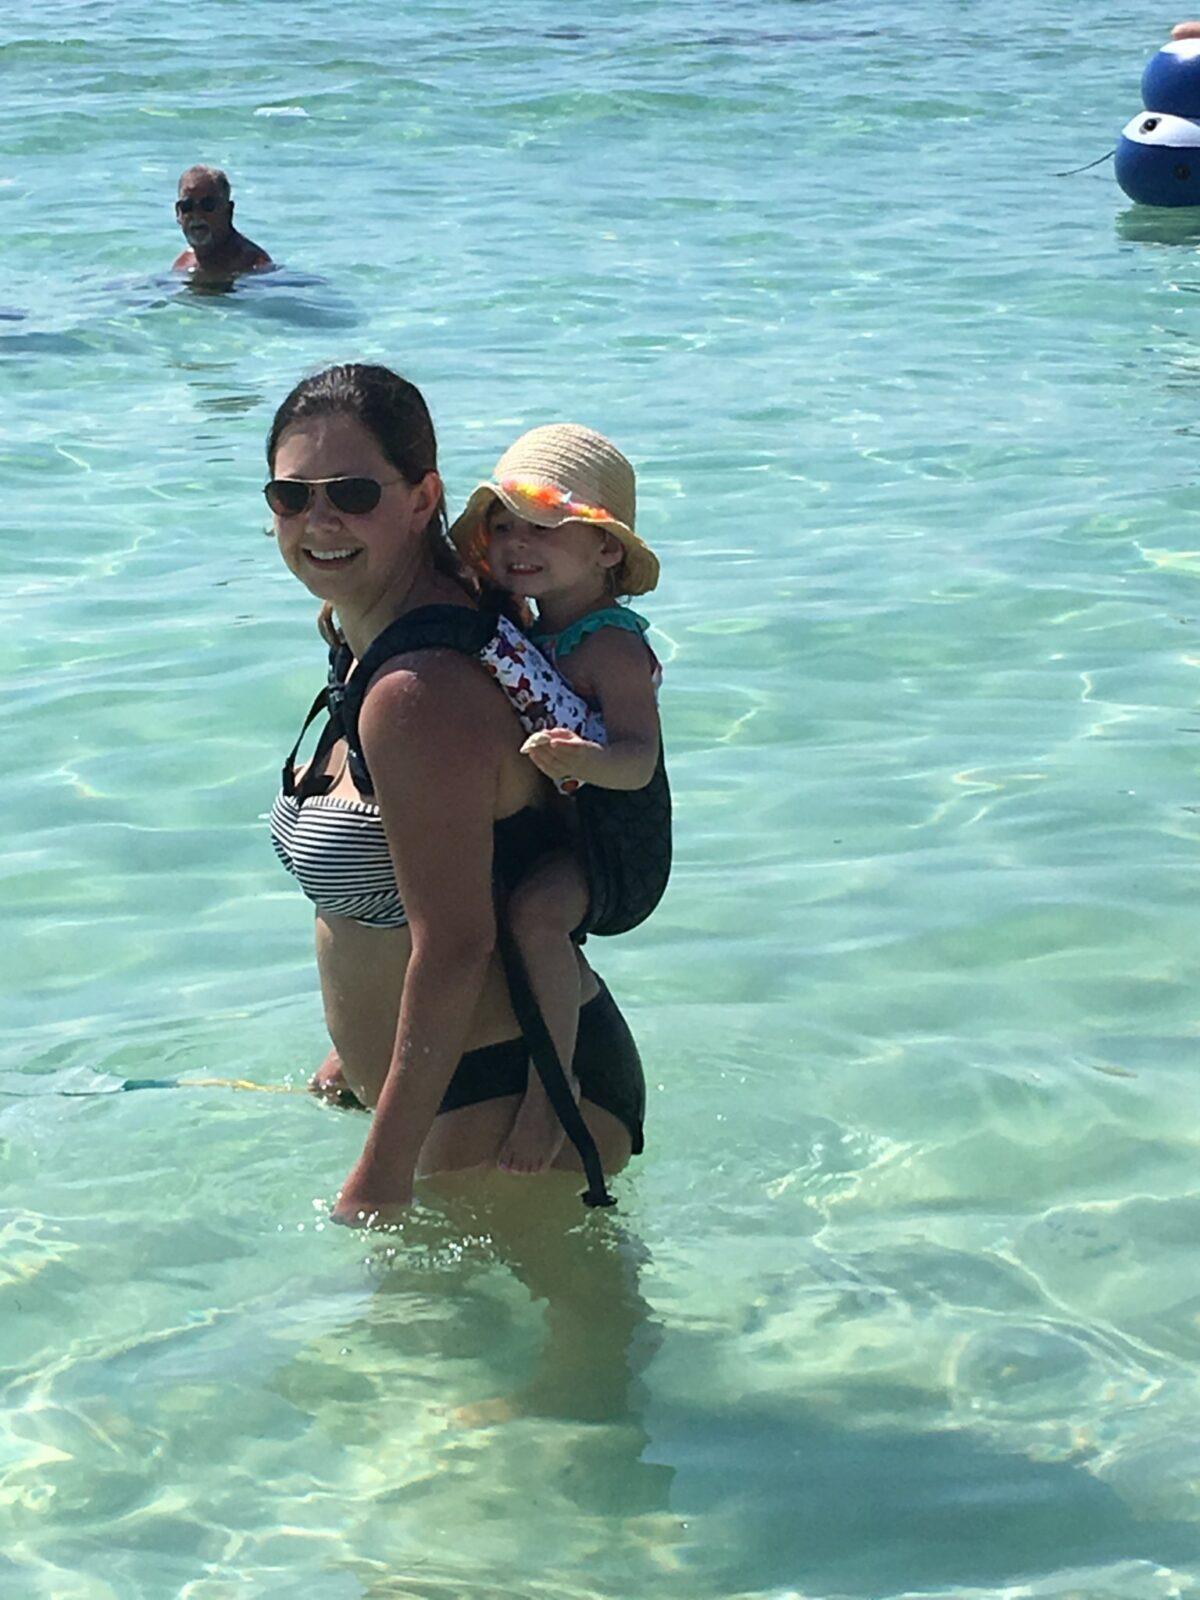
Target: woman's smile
(329,558)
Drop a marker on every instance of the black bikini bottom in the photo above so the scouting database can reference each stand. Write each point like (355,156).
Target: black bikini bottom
(606,1063)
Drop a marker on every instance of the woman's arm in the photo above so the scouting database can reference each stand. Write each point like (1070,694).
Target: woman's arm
(434,739)
(612,667)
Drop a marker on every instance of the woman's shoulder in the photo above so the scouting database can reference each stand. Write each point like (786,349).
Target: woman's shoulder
(433,696)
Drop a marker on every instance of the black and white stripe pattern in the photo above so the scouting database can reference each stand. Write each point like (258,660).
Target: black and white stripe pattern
(338,853)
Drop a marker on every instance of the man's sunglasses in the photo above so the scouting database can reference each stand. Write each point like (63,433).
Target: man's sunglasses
(208,202)
(355,497)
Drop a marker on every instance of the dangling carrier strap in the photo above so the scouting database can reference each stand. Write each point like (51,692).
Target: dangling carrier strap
(471,633)
(550,1068)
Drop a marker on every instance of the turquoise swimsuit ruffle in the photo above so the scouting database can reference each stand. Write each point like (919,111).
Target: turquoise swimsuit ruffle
(559,645)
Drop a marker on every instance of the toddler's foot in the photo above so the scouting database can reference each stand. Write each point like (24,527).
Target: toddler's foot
(537,1134)
(486,1413)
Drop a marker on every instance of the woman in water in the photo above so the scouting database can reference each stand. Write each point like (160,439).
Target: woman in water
(401,832)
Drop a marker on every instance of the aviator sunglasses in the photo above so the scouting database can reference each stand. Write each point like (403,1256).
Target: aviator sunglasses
(208,202)
(355,497)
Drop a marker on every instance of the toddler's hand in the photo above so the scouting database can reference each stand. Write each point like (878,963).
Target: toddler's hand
(556,751)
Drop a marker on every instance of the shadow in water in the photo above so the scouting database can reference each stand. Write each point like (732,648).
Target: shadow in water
(33,343)
(299,299)
(743,37)
(787,1496)
(443,1298)
(1165,225)
(583,1268)
(216,390)
(699,1497)
(89,327)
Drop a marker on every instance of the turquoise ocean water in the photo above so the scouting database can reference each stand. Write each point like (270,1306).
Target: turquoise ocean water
(903,1298)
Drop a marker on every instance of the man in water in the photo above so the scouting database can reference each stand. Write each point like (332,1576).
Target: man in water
(204,210)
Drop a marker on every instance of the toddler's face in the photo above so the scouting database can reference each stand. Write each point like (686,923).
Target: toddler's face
(531,560)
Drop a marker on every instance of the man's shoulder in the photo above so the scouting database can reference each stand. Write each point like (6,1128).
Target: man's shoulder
(254,257)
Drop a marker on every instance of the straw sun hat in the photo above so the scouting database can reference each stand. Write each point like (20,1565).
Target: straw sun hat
(563,473)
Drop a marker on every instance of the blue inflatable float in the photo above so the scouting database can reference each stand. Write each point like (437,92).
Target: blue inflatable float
(1171,81)
(1158,153)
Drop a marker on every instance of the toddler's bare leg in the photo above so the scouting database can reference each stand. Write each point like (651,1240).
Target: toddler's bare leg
(542,911)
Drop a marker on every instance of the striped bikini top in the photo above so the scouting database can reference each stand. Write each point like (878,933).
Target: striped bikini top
(337,851)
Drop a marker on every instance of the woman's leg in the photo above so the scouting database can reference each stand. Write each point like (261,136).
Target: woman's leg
(542,911)
(600,1332)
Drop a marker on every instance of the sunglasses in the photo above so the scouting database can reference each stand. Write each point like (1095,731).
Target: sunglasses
(355,497)
(208,202)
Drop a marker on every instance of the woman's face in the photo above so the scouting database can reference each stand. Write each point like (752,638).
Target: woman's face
(340,556)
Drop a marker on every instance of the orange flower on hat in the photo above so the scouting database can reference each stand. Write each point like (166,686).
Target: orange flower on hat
(547,494)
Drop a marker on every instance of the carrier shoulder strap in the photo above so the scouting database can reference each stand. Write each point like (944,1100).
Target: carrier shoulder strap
(428,628)
(315,781)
